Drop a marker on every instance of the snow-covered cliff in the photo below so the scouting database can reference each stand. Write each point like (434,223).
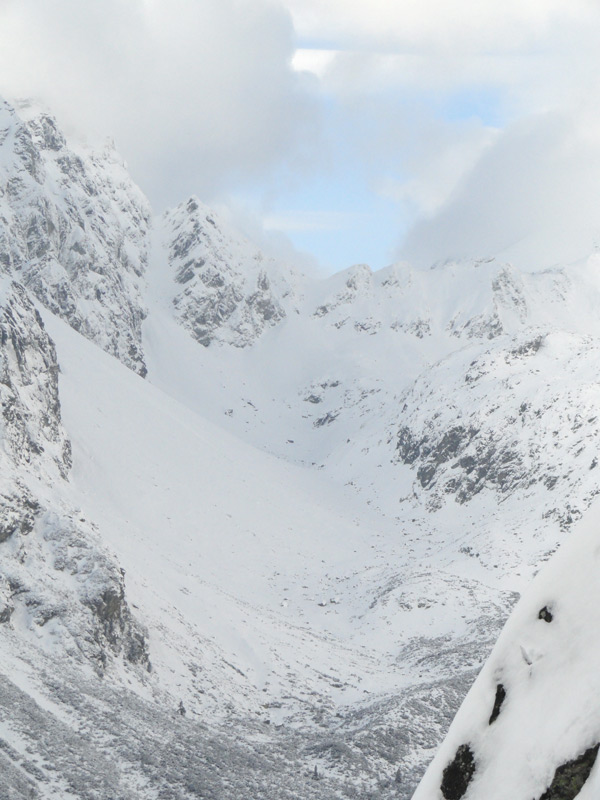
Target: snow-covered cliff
(59,587)
(226,290)
(74,230)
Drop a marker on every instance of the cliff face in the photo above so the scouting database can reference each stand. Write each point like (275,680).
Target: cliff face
(74,230)
(58,583)
(226,290)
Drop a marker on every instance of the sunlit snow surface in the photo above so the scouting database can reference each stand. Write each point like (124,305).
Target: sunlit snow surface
(549,670)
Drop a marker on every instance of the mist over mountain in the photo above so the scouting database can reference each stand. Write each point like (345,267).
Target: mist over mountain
(260,531)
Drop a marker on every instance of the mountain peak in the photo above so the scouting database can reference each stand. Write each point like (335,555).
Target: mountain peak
(75,232)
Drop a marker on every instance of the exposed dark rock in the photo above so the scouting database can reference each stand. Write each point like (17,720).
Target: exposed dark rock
(321,311)
(186,272)
(408,446)
(458,774)
(419,328)
(117,629)
(426,474)
(30,406)
(118,625)
(529,348)
(212,277)
(569,778)
(546,614)
(227,296)
(109,608)
(17,513)
(329,417)
(498,701)
(447,447)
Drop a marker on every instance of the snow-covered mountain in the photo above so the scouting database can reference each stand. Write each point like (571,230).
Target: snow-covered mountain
(226,290)
(74,230)
(60,587)
(259,530)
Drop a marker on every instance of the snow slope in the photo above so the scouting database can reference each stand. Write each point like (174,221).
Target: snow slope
(265,591)
(546,661)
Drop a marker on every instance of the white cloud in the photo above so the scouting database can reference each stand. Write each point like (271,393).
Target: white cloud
(405,99)
(473,25)
(199,94)
(532,198)
(270,238)
(436,163)
(474,115)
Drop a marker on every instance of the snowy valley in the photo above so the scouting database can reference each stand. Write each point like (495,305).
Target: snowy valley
(260,530)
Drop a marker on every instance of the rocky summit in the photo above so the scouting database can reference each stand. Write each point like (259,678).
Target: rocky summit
(260,530)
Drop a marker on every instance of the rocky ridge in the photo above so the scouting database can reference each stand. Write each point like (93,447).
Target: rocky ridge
(503,429)
(74,230)
(226,290)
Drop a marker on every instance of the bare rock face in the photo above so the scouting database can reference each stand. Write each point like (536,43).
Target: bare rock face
(458,774)
(32,432)
(74,230)
(226,290)
(501,429)
(63,591)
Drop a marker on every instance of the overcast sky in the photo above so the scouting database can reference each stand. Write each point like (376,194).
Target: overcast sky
(361,131)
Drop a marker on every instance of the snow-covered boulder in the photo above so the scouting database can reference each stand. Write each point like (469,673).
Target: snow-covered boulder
(529,729)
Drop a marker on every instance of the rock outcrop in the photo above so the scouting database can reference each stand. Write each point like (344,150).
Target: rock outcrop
(226,291)
(74,229)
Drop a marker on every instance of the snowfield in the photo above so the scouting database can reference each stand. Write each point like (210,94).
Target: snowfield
(259,530)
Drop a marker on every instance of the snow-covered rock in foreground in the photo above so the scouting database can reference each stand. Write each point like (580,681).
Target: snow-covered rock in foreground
(530,726)
(225,290)
(74,229)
